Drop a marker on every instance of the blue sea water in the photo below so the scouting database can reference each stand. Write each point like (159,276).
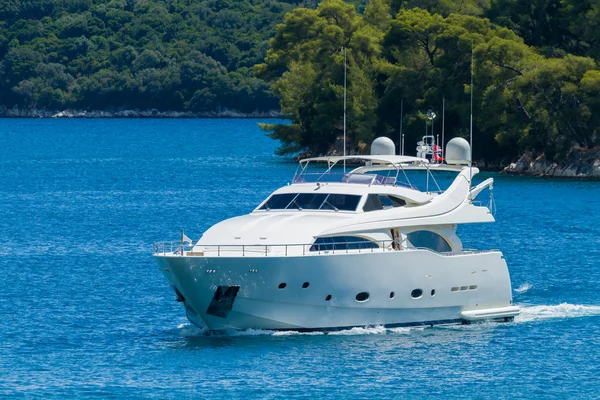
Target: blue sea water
(84,311)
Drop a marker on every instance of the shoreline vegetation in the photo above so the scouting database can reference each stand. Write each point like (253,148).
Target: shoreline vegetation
(536,73)
(148,113)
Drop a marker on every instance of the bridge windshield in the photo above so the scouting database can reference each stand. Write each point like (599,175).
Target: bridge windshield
(312,201)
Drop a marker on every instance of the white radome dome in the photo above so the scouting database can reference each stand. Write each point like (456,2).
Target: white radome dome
(458,152)
(383,146)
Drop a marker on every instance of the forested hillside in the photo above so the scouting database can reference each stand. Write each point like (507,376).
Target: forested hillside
(192,55)
(537,81)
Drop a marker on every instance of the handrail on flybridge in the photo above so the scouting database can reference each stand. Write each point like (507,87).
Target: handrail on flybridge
(386,160)
(381,162)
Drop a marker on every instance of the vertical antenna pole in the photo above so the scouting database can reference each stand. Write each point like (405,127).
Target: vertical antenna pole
(345,109)
(471,121)
(401,143)
(443,127)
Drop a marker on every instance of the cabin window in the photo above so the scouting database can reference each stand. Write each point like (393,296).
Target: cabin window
(342,243)
(307,201)
(278,201)
(416,294)
(429,240)
(344,202)
(373,203)
(396,201)
(382,202)
(311,201)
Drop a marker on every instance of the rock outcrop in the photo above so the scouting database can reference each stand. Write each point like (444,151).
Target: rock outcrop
(580,163)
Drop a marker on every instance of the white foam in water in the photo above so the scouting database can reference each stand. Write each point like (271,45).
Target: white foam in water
(528,314)
(370,330)
(191,330)
(523,288)
(188,330)
(250,332)
(564,310)
(294,333)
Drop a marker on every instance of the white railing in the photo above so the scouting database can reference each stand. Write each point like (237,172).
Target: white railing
(174,249)
(264,250)
(339,177)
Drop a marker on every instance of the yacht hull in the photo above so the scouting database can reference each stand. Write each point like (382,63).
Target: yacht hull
(319,292)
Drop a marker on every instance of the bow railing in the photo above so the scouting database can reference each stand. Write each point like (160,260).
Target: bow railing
(175,249)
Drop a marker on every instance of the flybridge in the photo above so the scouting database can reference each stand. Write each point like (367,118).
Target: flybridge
(392,164)
(396,167)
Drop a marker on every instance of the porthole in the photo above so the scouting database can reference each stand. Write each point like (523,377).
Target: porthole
(305,285)
(432,292)
(392,295)
(417,293)
(328,297)
(362,296)
(282,285)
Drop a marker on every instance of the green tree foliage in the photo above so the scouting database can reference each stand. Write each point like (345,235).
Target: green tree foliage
(306,64)
(171,55)
(524,100)
(445,7)
(555,26)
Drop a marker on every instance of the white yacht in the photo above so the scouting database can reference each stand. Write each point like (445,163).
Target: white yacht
(334,250)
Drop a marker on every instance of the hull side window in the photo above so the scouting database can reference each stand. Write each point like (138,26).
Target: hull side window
(342,243)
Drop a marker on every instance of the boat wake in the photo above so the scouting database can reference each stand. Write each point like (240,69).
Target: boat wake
(528,314)
(564,310)
(523,288)
(369,330)
(187,330)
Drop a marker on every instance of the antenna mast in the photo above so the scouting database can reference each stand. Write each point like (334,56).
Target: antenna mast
(471,122)
(401,143)
(443,127)
(345,109)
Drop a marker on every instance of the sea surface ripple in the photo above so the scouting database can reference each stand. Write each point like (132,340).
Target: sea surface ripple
(84,311)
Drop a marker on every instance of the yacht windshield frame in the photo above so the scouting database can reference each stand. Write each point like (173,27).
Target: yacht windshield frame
(330,202)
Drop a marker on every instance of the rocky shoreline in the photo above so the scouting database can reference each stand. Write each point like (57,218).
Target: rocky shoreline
(580,164)
(153,113)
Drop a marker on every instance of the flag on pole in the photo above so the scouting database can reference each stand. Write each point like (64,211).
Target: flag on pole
(437,153)
(184,238)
